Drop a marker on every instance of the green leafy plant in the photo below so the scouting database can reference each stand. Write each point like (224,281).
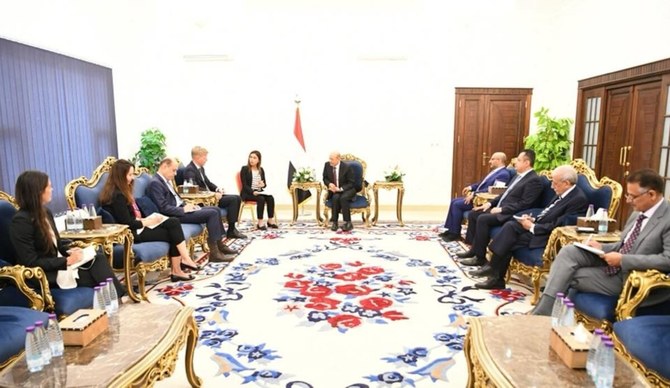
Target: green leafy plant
(152,149)
(394,174)
(304,174)
(551,142)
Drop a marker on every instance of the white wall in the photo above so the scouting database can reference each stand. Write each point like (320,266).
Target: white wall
(376,77)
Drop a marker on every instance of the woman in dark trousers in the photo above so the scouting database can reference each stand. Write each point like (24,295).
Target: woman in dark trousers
(37,242)
(253,182)
(117,198)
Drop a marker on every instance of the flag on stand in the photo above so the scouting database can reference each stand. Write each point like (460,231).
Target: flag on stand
(297,132)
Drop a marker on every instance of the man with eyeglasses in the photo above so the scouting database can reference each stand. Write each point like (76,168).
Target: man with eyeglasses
(645,244)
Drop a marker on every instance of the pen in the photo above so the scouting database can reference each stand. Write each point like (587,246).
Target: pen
(588,239)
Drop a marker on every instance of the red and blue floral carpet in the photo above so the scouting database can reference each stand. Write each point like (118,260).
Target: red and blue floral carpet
(306,307)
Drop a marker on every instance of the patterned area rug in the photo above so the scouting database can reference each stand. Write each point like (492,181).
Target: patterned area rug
(306,307)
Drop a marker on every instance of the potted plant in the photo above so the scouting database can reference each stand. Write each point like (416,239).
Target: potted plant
(152,149)
(551,142)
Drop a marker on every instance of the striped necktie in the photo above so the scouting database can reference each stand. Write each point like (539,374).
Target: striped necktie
(548,208)
(628,244)
(516,179)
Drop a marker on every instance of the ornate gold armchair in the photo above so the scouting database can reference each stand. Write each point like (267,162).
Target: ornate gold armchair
(361,202)
(144,257)
(601,193)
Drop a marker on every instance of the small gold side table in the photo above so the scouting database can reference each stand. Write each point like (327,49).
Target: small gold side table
(482,198)
(306,186)
(400,187)
(207,198)
(109,235)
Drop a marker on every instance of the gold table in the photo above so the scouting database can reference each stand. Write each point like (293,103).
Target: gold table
(306,186)
(400,187)
(109,235)
(513,351)
(139,347)
(207,198)
(482,198)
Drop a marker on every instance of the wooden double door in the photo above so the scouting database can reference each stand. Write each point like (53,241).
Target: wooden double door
(623,123)
(487,120)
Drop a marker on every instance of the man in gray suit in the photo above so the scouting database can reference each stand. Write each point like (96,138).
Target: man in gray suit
(645,244)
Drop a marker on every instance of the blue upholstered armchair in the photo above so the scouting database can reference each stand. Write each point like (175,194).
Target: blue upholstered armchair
(535,263)
(361,202)
(26,286)
(146,256)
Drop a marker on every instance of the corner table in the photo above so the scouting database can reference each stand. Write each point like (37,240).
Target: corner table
(207,198)
(306,186)
(400,187)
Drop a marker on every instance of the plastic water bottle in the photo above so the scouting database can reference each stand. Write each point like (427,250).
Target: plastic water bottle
(78,223)
(556,309)
(602,226)
(104,289)
(568,317)
(55,336)
(604,372)
(113,295)
(69,220)
(98,298)
(43,342)
(589,212)
(33,352)
(91,211)
(593,350)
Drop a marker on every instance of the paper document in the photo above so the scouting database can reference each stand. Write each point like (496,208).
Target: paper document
(162,218)
(88,254)
(589,248)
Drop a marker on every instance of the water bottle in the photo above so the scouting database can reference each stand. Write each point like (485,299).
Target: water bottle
(602,226)
(113,295)
(78,221)
(604,372)
(556,309)
(69,220)
(43,342)
(91,211)
(104,289)
(568,317)
(589,212)
(55,336)
(33,352)
(98,298)
(593,350)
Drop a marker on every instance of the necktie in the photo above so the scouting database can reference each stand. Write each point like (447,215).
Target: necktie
(174,193)
(202,175)
(504,195)
(548,208)
(485,179)
(335,177)
(628,244)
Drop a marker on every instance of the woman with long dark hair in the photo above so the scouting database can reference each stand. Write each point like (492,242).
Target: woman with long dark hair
(36,240)
(117,198)
(253,184)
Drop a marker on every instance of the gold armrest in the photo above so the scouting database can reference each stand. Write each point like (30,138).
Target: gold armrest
(19,275)
(636,289)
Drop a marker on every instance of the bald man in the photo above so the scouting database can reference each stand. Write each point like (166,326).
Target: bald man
(341,184)
(460,205)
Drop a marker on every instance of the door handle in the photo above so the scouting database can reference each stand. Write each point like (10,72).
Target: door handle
(626,163)
(620,156)
(484,158)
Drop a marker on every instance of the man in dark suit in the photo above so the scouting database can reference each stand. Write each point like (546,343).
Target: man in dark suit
(533,232)
(195,171)
(645,244)
(460,205)
(339,178)
(169,203)
(522,193)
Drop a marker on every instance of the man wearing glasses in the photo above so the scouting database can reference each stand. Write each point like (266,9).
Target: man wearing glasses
(645,244)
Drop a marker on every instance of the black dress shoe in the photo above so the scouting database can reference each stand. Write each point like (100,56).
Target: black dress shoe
(261,227)
(347,226)
(486,270)
(177,278)
(492,283)
(226,250)
(334,226)
(235,234)
(443,234)
(466,254)
(185,266)
(273,226)
(449,237)
(473,261)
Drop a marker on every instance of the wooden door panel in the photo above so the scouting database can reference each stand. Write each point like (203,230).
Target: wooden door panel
(505,129)
(467,147)
(615,133)
(645,112)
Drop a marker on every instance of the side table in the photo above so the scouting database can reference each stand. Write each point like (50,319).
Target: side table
(482,198)
(207,198)
(306,186)
(513,351)
(109,235)
(139,347)
(400,187)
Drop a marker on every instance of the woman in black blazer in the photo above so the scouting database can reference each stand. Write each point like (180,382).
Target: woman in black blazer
(253,182)
(36,240)
(117,198)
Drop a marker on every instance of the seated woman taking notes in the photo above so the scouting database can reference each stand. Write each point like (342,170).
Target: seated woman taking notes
(117,199)
(253,186)
(38,244)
